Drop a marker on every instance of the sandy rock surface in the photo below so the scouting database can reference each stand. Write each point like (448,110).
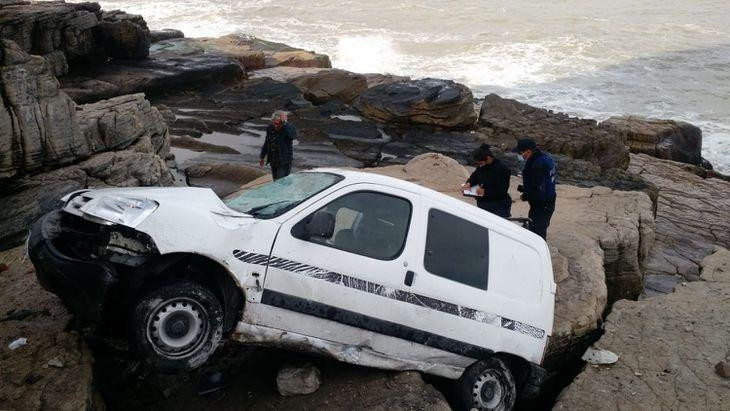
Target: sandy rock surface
(53,371)
(692,216)
(598,239)
(669,347)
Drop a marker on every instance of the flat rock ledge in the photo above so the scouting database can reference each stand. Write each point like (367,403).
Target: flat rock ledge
(669,349)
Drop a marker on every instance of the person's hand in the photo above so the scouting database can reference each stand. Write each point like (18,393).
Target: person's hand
(480,192)
(261,162)
(466,186)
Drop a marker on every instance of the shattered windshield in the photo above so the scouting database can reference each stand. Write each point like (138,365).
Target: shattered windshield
(277,197)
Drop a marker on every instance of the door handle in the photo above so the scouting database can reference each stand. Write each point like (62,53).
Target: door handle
(409,278)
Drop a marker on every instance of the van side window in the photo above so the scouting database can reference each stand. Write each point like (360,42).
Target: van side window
(457,249)
(366,223)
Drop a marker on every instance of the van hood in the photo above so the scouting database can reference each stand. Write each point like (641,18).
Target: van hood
(130,206)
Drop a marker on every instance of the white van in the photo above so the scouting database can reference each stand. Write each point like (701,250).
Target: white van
(368,269)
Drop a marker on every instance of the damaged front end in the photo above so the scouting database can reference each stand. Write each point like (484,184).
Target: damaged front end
(81,256)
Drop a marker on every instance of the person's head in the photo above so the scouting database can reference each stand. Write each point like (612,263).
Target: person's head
(278,119)
(483,155)
(525,147)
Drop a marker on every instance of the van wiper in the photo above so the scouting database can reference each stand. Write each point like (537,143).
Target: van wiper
(254,210)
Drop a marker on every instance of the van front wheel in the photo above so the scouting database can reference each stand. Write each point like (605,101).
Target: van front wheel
(176,326)
(487,385)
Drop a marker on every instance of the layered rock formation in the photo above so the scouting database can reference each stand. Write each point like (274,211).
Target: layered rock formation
(427,102)
(41,28)
(667,139)
(42,129)
(671,350)
(558,133)
(692,215)
(124,35)
(38,126)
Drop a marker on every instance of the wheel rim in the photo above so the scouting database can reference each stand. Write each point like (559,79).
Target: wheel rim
(487,391)
(177,327)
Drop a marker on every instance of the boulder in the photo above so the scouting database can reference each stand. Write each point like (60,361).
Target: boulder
(253,53)
(427,102)
(669,348)
(55,368)
(118,122)
(376,79)
(598,239)
(667,139)
(165,34)
(323,86)
(43,27)
(224,179)
(557,133)
(692,215)
(298,380)
(194,144)
(123,35)
(38,125)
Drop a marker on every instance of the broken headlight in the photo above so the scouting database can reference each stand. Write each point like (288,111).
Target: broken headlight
(128,211)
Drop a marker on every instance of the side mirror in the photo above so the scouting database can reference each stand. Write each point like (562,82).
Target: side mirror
(321,225)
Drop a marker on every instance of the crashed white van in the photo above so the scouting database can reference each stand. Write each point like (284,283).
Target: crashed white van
(368,269)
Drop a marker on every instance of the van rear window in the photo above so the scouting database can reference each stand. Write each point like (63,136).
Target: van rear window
(457,249)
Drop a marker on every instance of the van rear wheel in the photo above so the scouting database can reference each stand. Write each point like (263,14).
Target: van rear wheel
(176,326)
(487,385)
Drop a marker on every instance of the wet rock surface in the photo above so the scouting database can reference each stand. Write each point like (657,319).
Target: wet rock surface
(667,139)
(430,102)
(669,348)
(692,216)
(557,133)
(54,369)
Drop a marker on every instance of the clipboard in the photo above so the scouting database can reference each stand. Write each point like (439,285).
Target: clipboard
(471,192)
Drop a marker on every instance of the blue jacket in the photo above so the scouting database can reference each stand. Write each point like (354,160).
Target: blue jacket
(538,178)
(281,141)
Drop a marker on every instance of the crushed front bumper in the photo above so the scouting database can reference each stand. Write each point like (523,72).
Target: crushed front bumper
(82,285)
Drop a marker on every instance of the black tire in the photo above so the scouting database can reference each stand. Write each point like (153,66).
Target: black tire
(176,326)
(487,385)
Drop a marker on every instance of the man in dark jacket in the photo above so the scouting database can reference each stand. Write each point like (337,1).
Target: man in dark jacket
(538,185)
(492,178)
(277,150)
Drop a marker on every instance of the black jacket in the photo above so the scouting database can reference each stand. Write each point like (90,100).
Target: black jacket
(538,178)
(282,141)
(494,178)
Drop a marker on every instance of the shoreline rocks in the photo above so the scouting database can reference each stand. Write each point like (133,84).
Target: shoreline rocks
(669,348)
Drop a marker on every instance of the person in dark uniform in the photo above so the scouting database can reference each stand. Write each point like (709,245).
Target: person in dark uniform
(492,178)
(278,147)
(538,185)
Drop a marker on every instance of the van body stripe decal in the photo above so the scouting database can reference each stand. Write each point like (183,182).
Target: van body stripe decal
(388,292)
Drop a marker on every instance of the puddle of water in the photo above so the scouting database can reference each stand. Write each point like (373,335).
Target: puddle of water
(347,117)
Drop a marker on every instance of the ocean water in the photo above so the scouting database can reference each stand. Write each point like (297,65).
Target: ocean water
(591,58)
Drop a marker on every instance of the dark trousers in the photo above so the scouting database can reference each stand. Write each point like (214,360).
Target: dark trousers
(540,214)
(280,171)
(502,208)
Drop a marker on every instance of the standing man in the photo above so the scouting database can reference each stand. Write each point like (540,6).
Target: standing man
(277,150)
(492,177)
(538,185)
